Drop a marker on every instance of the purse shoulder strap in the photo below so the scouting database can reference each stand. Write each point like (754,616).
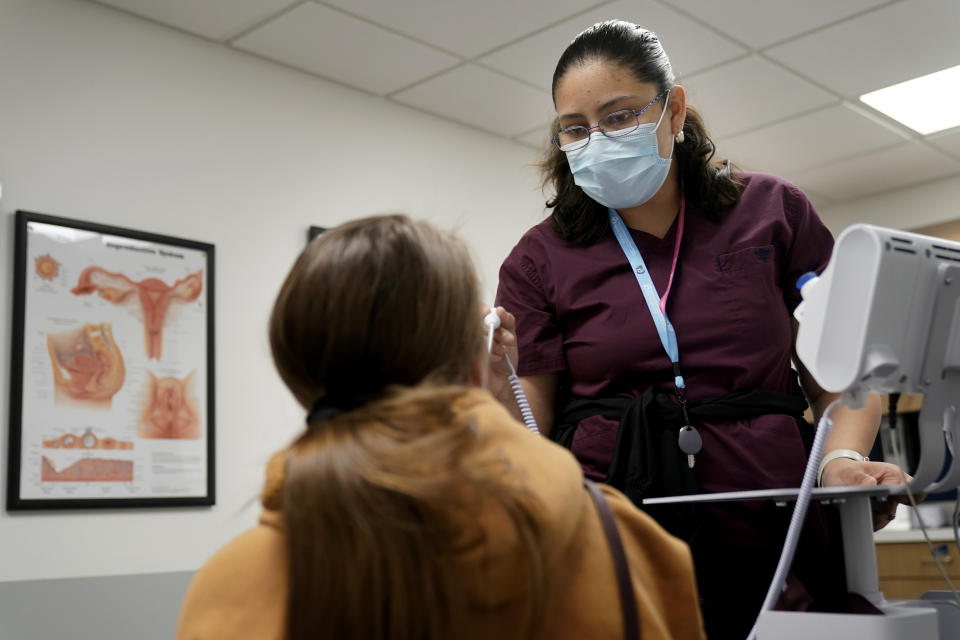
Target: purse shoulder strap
(628,600)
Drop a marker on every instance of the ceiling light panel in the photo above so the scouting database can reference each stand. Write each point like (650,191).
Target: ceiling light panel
(926,104)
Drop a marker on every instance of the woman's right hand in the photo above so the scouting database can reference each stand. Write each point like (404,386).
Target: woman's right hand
(504,343)
(540,389)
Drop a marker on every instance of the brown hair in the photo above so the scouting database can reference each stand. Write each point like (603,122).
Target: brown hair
(381,317)
(707,184)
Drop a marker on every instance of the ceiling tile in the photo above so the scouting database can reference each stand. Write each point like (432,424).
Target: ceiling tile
(334,45)
(690,46)
(748,93)
(948,141)
(758,24)
(894,168)
(215,19)
(465,27)
(808,141)
(482,98)
(898,42)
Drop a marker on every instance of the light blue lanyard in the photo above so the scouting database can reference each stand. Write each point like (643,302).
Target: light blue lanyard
(668,337)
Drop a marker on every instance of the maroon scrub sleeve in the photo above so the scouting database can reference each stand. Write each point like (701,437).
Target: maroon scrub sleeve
(811,243)
(521,292)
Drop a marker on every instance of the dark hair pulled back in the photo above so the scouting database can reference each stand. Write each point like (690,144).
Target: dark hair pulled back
(708,185)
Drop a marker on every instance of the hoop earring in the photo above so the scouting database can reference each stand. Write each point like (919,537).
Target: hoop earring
(679,137)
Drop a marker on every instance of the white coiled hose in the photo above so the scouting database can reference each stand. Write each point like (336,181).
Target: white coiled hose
(525,412)
(492,322)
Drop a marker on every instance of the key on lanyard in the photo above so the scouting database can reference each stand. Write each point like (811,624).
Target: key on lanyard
(689,439)
(690,443)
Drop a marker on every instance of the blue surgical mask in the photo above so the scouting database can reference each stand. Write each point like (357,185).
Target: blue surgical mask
(622,172)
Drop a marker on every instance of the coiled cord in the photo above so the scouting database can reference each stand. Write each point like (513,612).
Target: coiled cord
(525,411)
(492,322)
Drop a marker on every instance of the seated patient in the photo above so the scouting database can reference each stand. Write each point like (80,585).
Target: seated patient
(413,506)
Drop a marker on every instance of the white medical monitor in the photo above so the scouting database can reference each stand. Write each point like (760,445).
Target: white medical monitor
(866,321)
(883,317)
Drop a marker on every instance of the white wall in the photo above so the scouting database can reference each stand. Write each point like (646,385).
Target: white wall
(111,119)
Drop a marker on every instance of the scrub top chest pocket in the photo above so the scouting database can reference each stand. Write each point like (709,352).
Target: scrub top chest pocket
(748,285)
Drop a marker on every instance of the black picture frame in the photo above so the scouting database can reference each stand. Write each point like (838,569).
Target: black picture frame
(85,396)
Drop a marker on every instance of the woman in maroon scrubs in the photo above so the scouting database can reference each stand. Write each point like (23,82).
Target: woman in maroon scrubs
(724,251)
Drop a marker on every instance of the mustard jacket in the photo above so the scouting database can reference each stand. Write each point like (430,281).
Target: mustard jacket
(241,593)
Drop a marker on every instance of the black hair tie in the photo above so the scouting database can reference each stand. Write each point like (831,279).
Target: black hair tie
(323,409)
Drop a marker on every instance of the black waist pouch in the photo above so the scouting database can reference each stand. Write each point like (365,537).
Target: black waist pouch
(647,460)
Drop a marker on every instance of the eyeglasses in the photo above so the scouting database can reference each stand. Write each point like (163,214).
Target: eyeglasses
(613,125)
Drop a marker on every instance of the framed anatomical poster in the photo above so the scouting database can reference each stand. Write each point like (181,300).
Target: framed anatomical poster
(111,401)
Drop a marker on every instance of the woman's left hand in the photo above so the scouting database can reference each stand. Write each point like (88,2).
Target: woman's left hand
(844,472)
